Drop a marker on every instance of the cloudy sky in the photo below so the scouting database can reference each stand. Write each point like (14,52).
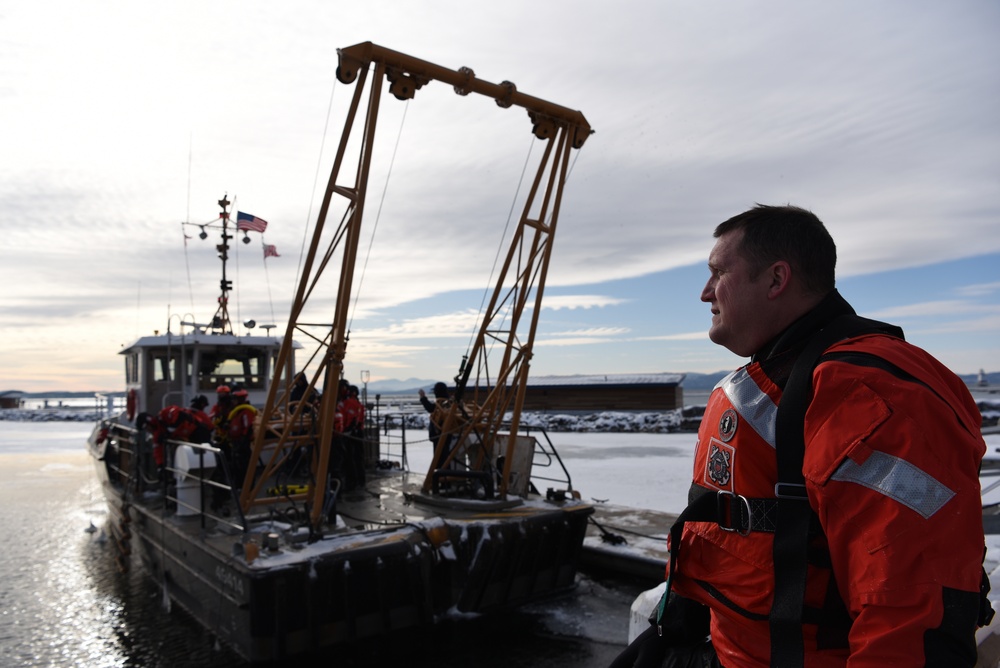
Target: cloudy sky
(121,120)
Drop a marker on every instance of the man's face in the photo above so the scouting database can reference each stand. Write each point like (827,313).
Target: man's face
(739,303)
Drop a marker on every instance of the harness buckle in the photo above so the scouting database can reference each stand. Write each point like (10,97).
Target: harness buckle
(728,515)
(787,490)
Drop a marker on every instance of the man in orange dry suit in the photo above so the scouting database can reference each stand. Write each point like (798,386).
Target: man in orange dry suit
(239,432)
(841,529)
(354,429)
(177,423)
(348,456)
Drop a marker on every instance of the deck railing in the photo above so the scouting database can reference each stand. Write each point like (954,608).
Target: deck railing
(134,469)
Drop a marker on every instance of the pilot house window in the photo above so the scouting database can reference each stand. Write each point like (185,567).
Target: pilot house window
(164,368)
(132,368)
(245,367)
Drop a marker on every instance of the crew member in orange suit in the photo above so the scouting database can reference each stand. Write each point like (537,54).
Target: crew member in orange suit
(863,549)
(354,432)
(177,423)
(240,433)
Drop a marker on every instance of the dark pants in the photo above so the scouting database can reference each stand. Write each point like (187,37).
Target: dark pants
(357,448)
(338,460)
(439,463)
(219,495)
(353,461)
(241,462)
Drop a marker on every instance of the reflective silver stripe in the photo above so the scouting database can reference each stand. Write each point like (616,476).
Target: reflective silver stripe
(751,403)
(898,479)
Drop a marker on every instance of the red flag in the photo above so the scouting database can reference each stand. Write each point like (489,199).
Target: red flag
(246,221)
(270,251)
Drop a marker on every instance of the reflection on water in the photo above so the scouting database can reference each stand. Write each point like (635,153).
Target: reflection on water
(64,603)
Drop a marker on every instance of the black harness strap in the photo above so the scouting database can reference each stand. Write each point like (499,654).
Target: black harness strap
(794,514)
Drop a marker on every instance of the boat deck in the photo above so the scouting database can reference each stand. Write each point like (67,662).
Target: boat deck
(389,502)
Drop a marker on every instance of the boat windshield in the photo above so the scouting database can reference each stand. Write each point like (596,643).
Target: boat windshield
(246,367)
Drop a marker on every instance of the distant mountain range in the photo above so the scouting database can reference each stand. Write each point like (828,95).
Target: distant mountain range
(692,381)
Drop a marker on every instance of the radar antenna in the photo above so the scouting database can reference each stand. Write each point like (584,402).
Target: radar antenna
(220,321)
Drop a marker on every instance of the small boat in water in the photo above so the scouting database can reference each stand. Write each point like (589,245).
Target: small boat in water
(269,548)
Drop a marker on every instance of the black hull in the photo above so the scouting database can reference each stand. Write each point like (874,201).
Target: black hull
(357,582)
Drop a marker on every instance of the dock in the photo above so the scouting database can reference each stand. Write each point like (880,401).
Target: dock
(627,541)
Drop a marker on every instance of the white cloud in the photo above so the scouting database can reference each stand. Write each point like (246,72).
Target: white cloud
(688,336)
(602,332)
(562,341)
(457,324)
(880,118)
(989,322)
(979,290)
(557,302)
(943,308)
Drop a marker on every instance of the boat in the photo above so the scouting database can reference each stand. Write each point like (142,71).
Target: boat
(279,557)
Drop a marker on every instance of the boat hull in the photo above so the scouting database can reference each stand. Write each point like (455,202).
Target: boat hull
(390,563)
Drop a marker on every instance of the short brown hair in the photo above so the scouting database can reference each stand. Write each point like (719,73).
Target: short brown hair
(790,233)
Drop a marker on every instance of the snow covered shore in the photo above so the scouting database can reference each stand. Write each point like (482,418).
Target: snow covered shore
(48,415)
(684,419)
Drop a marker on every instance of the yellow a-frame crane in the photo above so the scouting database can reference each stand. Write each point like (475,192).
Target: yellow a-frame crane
(475,418)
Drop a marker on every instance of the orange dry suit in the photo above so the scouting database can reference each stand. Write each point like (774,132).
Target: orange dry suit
(239,431)
(353,414)
(181,424)
(892,448)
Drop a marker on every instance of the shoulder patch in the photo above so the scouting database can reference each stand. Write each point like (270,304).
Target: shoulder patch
(719,466)
(727,425)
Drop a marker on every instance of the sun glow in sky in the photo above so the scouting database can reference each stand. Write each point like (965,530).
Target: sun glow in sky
(122,119)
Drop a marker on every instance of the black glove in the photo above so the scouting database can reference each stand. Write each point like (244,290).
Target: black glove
(647,651)
(685,623)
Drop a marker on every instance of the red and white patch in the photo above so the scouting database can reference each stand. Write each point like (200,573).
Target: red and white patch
(719,466)
(728,424)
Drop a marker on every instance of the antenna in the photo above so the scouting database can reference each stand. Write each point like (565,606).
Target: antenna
(220,321)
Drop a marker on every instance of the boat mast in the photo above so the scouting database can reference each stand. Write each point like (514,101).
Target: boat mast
(220,321)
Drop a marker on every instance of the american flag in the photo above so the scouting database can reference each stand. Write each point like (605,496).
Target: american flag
(270,251)
(246,221)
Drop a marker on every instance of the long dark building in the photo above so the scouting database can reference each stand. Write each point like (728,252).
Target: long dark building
(649,392)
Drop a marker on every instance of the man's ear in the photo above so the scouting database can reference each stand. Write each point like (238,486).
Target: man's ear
(779,276)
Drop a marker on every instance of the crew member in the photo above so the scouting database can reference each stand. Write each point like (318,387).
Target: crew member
(354,431)
(220,415)
(198,405)
(174,423)
(239,432)
(848,534)
(439,411)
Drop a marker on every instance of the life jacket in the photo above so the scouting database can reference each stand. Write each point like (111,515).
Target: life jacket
(353,414)
(240,423)
(181,424)
(750,545)
(205,424)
